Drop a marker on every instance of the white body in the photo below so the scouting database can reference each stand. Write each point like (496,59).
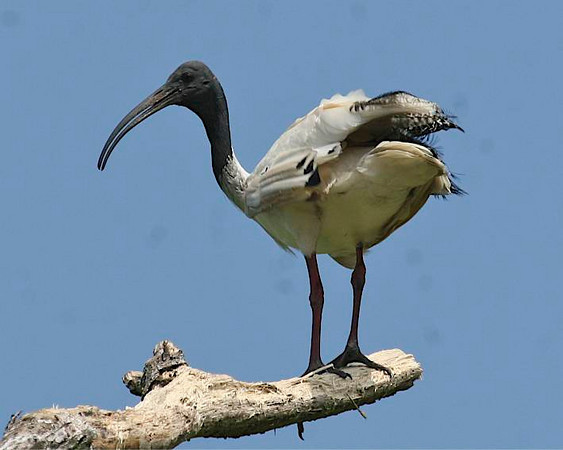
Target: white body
(360,194)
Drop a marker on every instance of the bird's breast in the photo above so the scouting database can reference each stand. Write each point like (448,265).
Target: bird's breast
(364,195)
(336,223)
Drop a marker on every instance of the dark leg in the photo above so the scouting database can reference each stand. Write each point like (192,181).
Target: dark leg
(316,299)
(352,351)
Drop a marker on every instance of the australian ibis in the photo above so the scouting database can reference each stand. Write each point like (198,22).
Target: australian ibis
(338,181)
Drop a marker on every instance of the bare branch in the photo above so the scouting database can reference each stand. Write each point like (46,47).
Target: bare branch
(181,403)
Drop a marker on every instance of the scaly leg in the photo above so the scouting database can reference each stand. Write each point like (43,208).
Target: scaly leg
(352,351)
(316,299)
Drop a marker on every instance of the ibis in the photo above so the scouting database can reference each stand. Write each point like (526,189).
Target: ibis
(338,181)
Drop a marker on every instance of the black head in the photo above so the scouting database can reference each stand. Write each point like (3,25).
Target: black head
(192,85)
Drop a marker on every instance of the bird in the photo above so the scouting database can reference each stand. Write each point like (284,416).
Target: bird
(338,181)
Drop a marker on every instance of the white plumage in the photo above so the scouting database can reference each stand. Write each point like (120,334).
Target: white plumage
(364,192)
(338,181)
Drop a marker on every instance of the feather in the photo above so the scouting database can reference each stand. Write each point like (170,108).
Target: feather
(292,169)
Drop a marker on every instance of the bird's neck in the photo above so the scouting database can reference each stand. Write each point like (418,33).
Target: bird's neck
(215,117)
(230,175)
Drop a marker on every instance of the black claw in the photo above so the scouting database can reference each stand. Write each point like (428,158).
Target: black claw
(328,369)
(338,372)
(353,354)
(312,367)
(300,430)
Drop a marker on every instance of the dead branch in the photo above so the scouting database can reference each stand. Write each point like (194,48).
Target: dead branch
(181,403)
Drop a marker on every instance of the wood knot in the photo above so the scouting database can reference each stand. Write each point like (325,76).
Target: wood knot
(159,370)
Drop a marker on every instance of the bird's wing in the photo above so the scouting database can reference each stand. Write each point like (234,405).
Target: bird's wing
(289,171)
(400,175)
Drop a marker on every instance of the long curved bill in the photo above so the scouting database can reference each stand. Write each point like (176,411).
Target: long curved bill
(159,99)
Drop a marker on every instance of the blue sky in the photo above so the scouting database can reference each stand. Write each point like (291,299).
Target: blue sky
(96,268)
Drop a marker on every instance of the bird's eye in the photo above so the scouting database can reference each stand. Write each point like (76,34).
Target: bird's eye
(187,76)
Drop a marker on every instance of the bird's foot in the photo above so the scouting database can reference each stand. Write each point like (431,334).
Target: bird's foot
(353,354)
(335,371)
(318,367)
(313,367)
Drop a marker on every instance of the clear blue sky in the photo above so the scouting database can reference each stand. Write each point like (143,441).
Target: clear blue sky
(96,268)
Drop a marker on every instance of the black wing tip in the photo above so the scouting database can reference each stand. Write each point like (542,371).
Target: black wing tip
(314,179)
(453,125)
(455,188)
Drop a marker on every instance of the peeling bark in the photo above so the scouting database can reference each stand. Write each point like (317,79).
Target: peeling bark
(180,403)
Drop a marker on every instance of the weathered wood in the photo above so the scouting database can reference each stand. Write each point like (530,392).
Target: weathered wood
(184,403)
